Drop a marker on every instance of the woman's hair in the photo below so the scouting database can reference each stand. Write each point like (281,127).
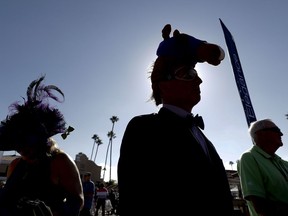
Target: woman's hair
(34,121)
(52,147)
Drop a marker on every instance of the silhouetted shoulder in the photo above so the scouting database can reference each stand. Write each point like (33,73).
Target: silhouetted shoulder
(12,166)
(62,160)
(143,118)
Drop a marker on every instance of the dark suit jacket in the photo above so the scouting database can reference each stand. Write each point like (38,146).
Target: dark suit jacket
(163,170)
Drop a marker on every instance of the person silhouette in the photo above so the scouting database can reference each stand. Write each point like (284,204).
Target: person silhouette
(89,192)
(170,145)
(43,171)
(101,196)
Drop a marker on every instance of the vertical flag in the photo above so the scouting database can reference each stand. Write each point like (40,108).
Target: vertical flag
(239,76)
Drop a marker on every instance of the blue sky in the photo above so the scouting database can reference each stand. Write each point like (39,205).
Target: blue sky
(100,52)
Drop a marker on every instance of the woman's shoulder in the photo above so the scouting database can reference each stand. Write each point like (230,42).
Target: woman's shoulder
(62,165)
(12,165)
(61,157)
(15,161)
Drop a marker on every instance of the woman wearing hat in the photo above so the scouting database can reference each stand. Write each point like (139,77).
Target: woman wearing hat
(42,171)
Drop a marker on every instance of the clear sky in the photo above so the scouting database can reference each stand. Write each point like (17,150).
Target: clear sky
(100,52)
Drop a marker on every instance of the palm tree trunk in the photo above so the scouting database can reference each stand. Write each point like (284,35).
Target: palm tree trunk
(96,152)
(92,149)
(104,170)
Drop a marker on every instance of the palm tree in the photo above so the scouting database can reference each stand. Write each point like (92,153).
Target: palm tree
(231,164)
(111,136)
(99,142)
(94,137)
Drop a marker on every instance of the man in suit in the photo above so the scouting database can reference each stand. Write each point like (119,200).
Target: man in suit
(166,164)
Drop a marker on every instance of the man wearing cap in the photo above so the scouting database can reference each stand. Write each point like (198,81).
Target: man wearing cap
(263,174)
(163,148)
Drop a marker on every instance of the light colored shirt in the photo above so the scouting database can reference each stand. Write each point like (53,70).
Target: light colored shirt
(263,175)
(102,193)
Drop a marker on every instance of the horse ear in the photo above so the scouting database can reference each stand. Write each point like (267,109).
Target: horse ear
(176,33)
(166,31)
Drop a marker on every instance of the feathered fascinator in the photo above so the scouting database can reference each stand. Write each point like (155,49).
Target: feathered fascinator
(34,121)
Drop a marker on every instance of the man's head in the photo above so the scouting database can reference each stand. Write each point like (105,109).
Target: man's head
(177,57)
(87,176)
(266,134)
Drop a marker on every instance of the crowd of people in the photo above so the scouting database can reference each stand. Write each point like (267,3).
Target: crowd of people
(98,199)
(161,145)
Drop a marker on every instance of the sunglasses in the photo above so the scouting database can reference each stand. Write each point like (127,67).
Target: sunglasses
(185,74)
(273,129)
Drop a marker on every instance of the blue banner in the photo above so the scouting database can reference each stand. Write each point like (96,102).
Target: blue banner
(239,76)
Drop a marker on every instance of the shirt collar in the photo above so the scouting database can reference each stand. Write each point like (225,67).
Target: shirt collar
(262,152)
(178,111)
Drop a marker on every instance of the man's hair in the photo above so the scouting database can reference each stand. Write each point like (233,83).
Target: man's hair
(162,67)
(260,125)
(87,174)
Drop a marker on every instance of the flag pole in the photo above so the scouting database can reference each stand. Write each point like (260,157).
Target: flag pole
(239,75)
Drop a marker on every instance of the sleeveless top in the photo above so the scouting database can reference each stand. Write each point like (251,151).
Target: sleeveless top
(33,182)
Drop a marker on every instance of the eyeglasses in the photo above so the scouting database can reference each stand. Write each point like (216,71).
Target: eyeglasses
(273,129)
(185,74)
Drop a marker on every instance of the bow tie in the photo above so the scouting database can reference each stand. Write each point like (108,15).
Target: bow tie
(67,132)
(195,120)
